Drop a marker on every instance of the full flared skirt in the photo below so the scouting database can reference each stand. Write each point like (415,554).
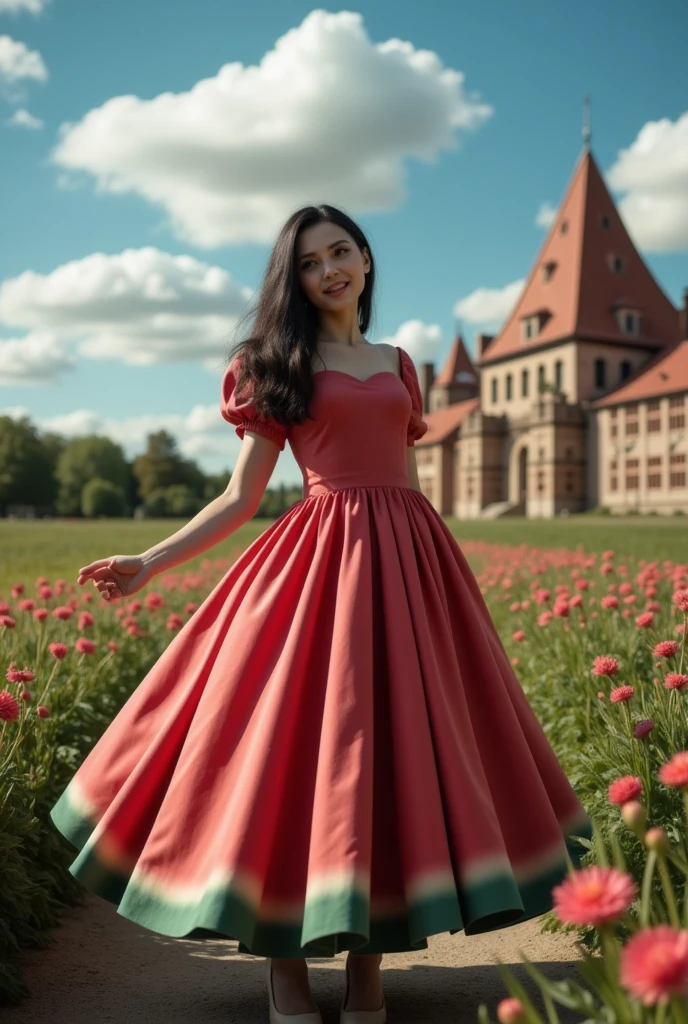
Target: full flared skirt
(333,753)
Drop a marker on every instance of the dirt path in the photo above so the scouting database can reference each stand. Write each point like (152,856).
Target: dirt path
(103,968)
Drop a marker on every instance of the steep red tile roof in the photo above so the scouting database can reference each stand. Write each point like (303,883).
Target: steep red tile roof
(666,374)
(458,367)
(582,292)
(443,422)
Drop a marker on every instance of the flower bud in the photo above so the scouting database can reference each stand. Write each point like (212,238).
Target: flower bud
(511,1011)
(656,839)
(633,814)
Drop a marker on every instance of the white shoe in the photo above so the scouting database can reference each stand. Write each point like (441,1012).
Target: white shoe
(378,1016)
(276,1017)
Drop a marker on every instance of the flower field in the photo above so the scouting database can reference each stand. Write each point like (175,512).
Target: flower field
(597,637)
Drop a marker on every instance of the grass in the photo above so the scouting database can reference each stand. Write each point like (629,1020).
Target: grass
(59,547)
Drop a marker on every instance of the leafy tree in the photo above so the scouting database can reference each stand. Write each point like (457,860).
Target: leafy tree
(101,498)
(161,465)
(26,465)
(84,459)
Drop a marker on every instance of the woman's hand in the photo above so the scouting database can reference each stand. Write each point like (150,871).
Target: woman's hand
(117,576)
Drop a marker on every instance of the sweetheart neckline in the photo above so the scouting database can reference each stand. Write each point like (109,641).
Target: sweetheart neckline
(379,373)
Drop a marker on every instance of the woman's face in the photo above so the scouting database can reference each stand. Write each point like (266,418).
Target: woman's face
(326,256)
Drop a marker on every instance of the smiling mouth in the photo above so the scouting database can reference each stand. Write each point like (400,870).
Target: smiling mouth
(338,289)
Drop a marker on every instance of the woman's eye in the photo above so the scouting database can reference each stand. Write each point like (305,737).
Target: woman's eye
(305,266)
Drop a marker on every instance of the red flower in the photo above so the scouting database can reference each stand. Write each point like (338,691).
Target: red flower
(654,964)
(643,728)
(675,680)
(625,588)
(606,568)
(628,787)
(18,675)
(58,650)
(609,601)
(63,611)
(175,622)
(544,618)
(542,596)
(594,896)
(42,711)
(27,604)
(113,646)
(154,600)
(85,619)
(8,621)
(607,556)
(681,599)
(675,771)
(85,646)
(665,649)
(511,1011)
(519,635)
(644,620)
(604,666)
(621,693)
(515,606)
(9,706)
(40,614)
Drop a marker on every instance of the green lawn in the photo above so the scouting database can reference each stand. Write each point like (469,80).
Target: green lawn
(59,548)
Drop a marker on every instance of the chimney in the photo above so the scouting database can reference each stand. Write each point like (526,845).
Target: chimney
(683,316)
(481,343)
(426,379)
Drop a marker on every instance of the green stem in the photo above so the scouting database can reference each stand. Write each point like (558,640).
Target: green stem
(646,893)
(668,891)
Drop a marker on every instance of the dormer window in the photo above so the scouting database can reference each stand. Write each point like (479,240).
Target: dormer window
(532,323)
(548,269)
(617,264)
(629,320)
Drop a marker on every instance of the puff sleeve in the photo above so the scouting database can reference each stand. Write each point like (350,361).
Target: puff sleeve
(417,426)
(240,411)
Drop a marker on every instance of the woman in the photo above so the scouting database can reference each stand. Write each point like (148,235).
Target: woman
(334,752)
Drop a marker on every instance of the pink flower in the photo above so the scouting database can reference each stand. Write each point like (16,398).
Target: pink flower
(544,618)
(9,706)
(85,619)
(653,606)
(665,649)
(643,728)
(582,584)
(85,646)
(42,711)
(594,896)
(515,606)
(18,675)
(576,601)
(675,771)
(654,964)
(175,622)
(561,608)
(113,646)
(154,600)
(628,787)
(510,1011)
(7,621)
(675,680)
(58,650)
(621,693)
(609,601)
(625,588)
(644,620)
(542,596)
(631,599)
(604,666)
(606,568)
(607,556)
(62,611)
(519,635)
(681,599)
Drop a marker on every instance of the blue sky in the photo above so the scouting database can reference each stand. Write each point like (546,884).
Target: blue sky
(141,185)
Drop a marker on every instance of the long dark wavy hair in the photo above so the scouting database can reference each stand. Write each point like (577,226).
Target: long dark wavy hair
(277,356)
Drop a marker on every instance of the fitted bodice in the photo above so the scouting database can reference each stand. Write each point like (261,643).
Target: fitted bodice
(358,435)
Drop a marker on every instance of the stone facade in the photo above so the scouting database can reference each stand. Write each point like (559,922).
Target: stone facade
(581,400)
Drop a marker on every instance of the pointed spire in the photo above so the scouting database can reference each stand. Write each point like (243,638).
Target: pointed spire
(587,130)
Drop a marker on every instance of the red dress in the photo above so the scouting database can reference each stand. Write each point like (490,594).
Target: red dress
(333,752)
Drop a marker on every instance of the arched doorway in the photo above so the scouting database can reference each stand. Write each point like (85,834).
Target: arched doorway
(523,477)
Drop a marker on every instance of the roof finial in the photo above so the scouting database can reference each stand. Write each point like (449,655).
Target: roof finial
(587,130)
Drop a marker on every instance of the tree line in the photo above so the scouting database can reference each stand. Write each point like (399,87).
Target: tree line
(46,474)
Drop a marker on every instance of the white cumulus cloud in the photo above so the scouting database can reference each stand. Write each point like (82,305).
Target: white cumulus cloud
(653,174)
(327,116)
(18,62)
(16,6)
(38,358)
(545,215)
(489,305)
(141,307)
(23,119)
(422,341)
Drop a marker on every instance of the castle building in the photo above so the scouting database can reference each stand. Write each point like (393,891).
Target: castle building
(581,399)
